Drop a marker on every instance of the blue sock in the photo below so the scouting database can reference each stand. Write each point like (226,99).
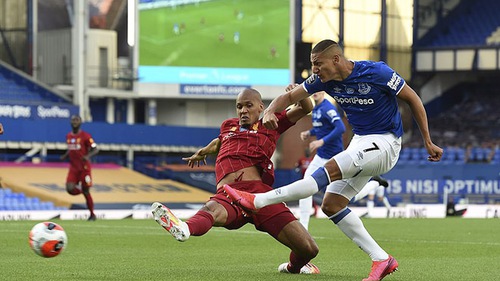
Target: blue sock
(321,177)
(340,215)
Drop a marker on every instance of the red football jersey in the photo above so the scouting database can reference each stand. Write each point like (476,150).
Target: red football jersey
(79,145)
(241,148)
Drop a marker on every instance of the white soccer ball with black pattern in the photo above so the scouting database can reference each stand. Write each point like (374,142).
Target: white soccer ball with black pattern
(48,239)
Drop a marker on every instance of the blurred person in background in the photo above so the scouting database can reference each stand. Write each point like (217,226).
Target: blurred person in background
(81,147)
(327,129)
(376,186)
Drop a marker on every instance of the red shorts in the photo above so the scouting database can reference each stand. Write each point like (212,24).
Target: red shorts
(271,219)
(83,176)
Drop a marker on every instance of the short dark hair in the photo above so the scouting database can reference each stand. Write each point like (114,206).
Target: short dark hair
(323,45)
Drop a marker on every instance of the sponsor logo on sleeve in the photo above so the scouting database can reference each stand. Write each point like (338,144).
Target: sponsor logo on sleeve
(311,79)
(331,113)
(394,82)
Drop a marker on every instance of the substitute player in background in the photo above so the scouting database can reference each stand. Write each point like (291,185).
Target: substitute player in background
(367,91)
(375,187)
(328,129)
(244,149)
(81,147)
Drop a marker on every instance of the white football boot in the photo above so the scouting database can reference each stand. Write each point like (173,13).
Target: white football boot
(164,217)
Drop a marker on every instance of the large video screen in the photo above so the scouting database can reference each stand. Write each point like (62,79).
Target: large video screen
(215,42)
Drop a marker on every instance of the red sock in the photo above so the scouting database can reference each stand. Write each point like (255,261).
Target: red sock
(200,223)
(90,203)
(296,263)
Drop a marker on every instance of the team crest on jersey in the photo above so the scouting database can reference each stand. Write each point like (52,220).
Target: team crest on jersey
(232,129)
(311,79)
(364,88)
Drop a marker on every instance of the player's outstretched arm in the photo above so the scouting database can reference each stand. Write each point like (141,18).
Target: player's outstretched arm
(201,155)
(300,110)
(281,102)
(408,95)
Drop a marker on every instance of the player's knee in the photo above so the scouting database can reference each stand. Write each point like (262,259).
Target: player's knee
(313,250)
(333,170)
(331,209)
(71,189)
(310,250)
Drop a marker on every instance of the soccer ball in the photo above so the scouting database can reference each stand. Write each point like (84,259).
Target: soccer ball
(48,239)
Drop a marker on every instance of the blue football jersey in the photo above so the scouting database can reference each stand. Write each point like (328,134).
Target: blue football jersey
(325,119)
(368,96)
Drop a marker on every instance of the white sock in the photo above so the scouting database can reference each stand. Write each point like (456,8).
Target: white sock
(370,204)
(386,203)
(371,185)
(353,228)
(305,206)
(294,191)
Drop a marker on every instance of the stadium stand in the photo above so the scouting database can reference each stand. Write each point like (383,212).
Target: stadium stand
(470,23)
(18,87)
(18,201)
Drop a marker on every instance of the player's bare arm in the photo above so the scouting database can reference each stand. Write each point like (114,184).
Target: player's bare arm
(201,155)
(300,110)
(65,155)
(408,95)
(297,94)
(92,152)
(1,129)
(290,87)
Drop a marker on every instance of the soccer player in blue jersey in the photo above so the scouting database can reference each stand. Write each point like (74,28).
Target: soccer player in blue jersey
(328,129)
(367,91)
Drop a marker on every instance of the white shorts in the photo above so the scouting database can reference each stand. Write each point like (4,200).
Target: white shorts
(317,162)
(378,191)
(365,157)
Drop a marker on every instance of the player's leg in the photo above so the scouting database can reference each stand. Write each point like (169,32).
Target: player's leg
(380,155)
(306,204)
(370,204)
(303,249)
(362,149)
(367,189)
(86,183)
(335,207)
(72,181)
(279,222)
(297,190)
(386,202)
(380,192)
(218,211)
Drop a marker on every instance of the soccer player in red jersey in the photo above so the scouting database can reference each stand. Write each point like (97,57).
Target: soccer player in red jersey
(81,147)
(244,149)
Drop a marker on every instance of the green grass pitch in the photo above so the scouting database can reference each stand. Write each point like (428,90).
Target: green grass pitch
(264,25)
(427,249)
